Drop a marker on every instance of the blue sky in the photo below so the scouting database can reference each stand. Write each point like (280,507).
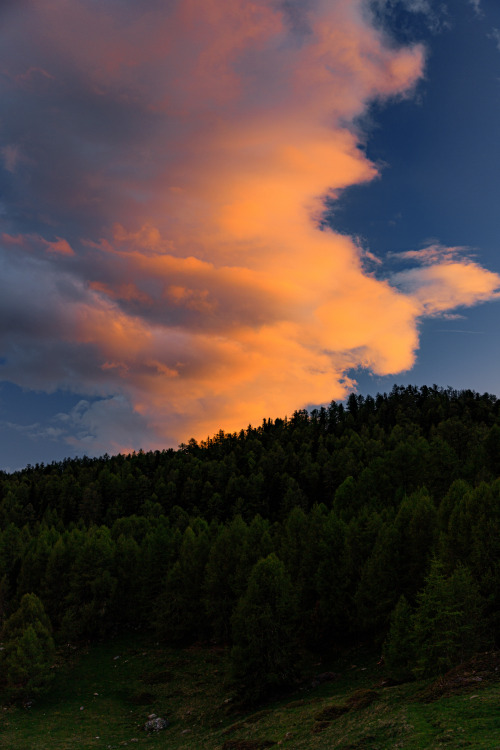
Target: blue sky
(441,182)
(159,279)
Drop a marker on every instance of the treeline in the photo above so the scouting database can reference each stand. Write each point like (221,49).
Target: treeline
(378,521)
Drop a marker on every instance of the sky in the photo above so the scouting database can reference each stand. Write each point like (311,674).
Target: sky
(216,211)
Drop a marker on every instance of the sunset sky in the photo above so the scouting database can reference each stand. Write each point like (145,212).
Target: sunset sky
(215,211)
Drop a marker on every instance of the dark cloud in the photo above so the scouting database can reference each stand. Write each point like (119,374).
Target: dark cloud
(297,12)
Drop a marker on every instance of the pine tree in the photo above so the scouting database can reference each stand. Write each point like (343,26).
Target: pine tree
(263,624)
(92,586)
(179,612)
(399,647)
(225,577)
(28,649)
(448,624)
(333,611)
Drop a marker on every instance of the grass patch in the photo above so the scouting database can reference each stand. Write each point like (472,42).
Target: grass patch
(102,699)
(247,744)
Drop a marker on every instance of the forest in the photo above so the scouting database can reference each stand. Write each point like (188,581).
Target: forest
(377,521)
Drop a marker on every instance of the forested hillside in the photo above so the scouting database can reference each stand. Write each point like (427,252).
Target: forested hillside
(378,522)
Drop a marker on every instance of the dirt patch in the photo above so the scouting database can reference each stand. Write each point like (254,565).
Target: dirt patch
(481,669)
(253,719)
(364,743)
(141,698)
(157,678)
(231,729)
(331,712)
(361,699)
(303,702)
(247,744)
(387,682)
(320,726)
(358,700)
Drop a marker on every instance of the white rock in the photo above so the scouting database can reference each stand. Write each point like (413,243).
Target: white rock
(154,725)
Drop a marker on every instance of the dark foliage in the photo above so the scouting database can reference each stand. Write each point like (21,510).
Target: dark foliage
(353,503)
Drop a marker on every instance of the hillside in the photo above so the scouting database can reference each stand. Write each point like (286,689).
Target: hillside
(101,701)
(285,545)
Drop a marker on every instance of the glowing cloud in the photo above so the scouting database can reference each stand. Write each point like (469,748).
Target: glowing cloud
(444,286)
(163,235)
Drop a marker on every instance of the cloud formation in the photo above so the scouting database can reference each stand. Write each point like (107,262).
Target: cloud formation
(476,4)
(164,167)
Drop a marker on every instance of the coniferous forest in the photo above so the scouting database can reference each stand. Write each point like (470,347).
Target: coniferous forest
(377,521)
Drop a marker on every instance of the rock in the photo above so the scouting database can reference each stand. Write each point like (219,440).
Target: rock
(152,716)
(155,725)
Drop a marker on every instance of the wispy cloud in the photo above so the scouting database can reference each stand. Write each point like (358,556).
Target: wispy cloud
(476,4)
(495,35)
(35,431)
(444,286)
(448,277)
(459,330)
(434,16)
(161,247)
(433,253)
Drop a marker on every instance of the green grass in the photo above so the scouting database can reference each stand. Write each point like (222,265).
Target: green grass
(100,701)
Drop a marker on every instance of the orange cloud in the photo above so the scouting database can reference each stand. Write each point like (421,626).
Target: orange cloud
(445,286)
(205,293)
(8,239)
(60,246)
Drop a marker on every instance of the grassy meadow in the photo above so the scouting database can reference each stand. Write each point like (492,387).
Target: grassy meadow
(101,698)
